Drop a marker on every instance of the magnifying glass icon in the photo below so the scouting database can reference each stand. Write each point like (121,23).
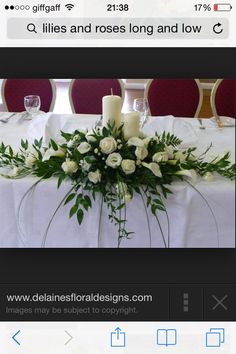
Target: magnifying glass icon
(31,27)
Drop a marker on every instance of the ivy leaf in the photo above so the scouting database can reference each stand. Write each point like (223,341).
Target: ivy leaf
(79,199)
(54,145)
(24,144)
(149,201)
(105,132)
(154,209)
(80,216)
(161,207)
(11,151)
(88,201)
(69,198)
(60,180)
(121,206)
(67,136)
(73,210)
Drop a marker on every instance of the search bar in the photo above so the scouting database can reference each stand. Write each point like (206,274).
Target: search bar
(117,28)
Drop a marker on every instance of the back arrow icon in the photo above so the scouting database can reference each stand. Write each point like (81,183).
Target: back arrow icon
(69,335)
(14,337)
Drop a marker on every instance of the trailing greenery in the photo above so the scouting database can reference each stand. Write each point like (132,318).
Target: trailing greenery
(103,161)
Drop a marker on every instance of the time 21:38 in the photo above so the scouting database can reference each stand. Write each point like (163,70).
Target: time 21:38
(117,7)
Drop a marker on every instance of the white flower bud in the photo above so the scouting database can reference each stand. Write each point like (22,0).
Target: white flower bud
(95,177)
(84,147)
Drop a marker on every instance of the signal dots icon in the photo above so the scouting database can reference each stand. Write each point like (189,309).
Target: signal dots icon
(17,7)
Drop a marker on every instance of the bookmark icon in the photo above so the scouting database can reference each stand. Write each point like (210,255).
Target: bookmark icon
(166,337)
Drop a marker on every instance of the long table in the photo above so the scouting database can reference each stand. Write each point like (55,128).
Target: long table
(191,221)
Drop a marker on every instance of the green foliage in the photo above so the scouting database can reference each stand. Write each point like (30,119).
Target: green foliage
(60,158)
(169,139)
(53,144)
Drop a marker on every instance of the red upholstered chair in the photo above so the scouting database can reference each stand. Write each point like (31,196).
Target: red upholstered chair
(86,94)
(223,98)
(14,91)
(177,97)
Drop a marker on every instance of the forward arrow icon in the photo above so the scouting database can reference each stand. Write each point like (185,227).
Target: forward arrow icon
(69,339)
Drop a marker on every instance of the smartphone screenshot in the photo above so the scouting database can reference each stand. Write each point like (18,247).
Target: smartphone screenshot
(117,177)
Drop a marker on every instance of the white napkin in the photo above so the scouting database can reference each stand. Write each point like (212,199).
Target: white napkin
(67,123)
(177,126)
(37,126)
(4,115)
(49,126)
(53,127)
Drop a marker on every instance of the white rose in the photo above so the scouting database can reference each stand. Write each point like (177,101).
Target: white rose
(160,156)
(208,177)
(84,147)
(180,156)
(108,145)
(95,177)
(141,152)
(114,160)
(170,151)
(135,142)
(53,153)
(154,167)
(90,137)
(69,166)
(188,173)
(128,166)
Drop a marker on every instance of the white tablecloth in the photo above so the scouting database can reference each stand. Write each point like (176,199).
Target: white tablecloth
(191,222)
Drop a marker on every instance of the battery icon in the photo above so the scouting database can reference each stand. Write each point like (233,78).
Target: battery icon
(222,7)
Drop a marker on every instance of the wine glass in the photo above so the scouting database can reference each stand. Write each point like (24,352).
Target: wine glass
(141,105)
(32,105)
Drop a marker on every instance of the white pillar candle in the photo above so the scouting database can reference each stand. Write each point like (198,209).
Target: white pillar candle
(131,124)
(111,110)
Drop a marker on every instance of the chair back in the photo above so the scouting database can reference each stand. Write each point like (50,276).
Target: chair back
(14,91)
(177,97)
(86,94)
(223,98)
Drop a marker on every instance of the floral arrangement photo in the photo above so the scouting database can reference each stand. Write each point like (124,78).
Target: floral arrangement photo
(109,162)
